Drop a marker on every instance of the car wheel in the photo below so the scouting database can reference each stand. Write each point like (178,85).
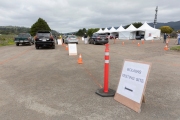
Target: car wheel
(37,47)
(17,44)
(29,43)
(77,43)
(95,42)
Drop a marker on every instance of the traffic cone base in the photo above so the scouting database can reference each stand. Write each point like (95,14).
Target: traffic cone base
(165,47)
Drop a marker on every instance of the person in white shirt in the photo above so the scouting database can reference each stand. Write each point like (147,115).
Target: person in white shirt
(178,37)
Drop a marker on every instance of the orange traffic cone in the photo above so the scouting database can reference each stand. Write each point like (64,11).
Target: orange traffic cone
(122,43)
(80,59)
(66,47)
(138,44)
(166,47)
(142,41)
(152,41)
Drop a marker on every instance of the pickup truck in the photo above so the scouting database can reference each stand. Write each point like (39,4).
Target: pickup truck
(24,38)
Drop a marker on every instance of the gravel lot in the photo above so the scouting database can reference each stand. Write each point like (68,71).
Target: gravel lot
(48,84)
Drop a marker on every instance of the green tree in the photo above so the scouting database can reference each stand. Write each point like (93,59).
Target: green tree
(166,29)
(40,24)
(81,32)
(91,31)
(136,24)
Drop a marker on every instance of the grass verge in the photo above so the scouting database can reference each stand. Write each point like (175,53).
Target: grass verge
(177,48)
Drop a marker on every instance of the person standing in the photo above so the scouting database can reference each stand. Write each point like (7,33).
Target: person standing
(85,39)
(178,37)
(165,37)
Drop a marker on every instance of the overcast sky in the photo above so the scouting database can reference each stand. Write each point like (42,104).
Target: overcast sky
(72,15)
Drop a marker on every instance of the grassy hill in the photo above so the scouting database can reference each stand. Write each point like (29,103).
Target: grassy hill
(174,25)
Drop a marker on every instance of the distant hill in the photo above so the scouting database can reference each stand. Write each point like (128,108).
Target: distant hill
(17,30)
(174,25)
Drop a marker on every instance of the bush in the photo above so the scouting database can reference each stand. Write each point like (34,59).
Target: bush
(6,40)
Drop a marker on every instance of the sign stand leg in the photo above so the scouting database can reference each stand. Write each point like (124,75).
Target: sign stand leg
(143,100)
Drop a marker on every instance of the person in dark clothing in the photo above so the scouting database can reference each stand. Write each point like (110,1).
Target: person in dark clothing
(165,37)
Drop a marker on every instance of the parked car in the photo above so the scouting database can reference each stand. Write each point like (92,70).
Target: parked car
(70,39)
(24,38)
(98,39)
(44,39)
(139,37)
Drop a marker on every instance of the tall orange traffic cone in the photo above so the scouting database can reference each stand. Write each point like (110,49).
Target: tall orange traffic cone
(138,44)
(122,43)
(166,47)
(80,59)
(66,47)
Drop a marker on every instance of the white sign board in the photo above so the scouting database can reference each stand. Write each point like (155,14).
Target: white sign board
(132,83)
(72,49)
(132,80)
(59,42)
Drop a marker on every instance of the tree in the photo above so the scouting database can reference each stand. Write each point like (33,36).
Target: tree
(40,24)
(137,25)
(166,29)
(91,31)
(81,32)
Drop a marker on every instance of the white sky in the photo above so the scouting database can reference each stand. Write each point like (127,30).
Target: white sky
(72,15)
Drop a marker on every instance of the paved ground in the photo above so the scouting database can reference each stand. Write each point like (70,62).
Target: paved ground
(48,84)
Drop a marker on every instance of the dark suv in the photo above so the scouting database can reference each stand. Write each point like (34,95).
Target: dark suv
(98,39)
(44,39)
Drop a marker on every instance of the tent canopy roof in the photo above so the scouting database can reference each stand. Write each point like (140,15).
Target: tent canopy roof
(112,30)
(145,26)
(131,28)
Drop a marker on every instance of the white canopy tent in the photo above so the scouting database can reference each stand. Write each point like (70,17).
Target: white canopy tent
(149,32)
(113,32)
(105,30)
(99,31)
(120,29)
(129,33)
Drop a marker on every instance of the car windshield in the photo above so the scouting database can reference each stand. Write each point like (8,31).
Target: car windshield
(43,34)
(24,35)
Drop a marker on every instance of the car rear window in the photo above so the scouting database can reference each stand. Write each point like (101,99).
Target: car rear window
(72,36)
(24,35)
(43,34)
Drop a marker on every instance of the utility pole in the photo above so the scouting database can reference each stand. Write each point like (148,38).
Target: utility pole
(155,19)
